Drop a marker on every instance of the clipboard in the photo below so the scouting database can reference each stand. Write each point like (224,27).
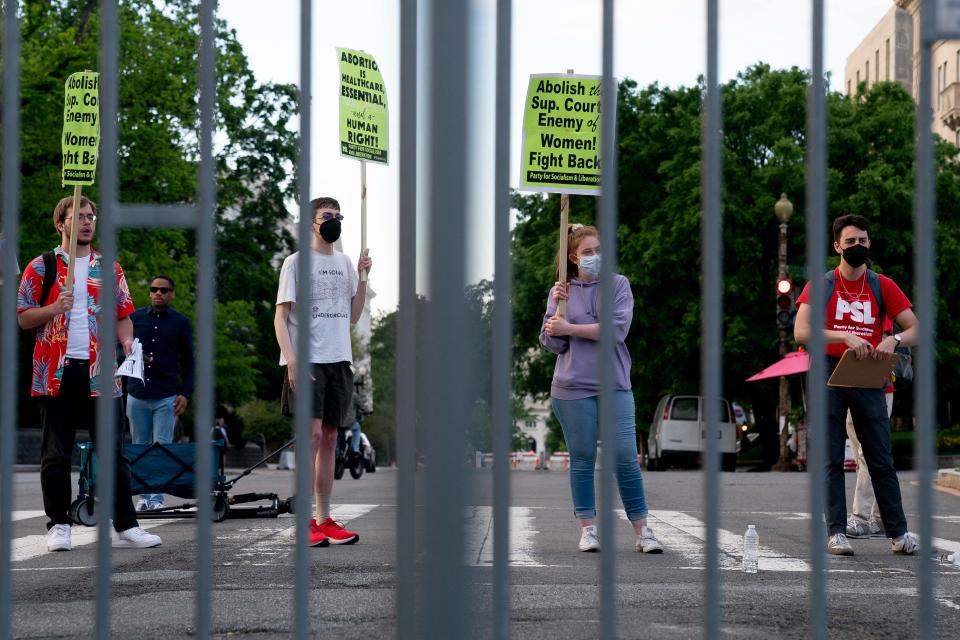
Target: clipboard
(869,373)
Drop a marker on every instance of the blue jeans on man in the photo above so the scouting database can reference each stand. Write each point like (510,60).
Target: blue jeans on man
(868,408)
(151,421)
(355,437)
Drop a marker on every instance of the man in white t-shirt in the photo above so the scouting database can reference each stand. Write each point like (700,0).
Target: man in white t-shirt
(336,301)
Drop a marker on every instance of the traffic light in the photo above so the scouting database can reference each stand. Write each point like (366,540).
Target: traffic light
(785,308)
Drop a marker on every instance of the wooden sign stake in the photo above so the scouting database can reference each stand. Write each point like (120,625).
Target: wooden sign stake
(74,230)
(363,214)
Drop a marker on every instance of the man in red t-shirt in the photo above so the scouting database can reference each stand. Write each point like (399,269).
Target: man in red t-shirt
(852,321)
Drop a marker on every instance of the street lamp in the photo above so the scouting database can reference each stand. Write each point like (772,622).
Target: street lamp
(783,210)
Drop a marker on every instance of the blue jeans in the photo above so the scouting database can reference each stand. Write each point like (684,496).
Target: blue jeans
(868,408)
(578,418)
(355,437)
(151,421)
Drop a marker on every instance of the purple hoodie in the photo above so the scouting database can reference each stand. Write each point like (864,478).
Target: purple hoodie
(577,374)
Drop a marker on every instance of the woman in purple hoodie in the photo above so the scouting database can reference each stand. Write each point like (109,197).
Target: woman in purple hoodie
(575,391)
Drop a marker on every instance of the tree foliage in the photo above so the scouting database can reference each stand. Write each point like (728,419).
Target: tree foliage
(870,143)
(158,158)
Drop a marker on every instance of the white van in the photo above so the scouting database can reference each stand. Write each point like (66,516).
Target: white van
(678,433)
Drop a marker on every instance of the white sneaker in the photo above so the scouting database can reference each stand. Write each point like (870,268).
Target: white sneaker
(859,528)
(906,545)
(647,542)
(588,539)
(142,505)
(838,545)
(135,538)
(58,538)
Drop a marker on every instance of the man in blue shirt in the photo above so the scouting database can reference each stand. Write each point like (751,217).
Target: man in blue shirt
(153,405)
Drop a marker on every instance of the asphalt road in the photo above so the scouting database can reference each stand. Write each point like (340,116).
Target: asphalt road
(555,588)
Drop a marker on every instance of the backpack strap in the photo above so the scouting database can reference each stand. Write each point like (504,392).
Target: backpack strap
(874,281)
(829,282)
(49,275)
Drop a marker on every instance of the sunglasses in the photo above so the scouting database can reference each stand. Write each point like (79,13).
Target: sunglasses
(326,217)
(163,290)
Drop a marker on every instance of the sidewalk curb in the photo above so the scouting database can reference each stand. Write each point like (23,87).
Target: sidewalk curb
(949,478)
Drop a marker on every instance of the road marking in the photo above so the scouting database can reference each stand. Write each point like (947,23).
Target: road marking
(730,544)
(28,547)
(949,603)
(479,543)
(271,549)
(25,515)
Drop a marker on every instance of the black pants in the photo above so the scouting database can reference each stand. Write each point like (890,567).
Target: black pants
(868,407)
(63,415)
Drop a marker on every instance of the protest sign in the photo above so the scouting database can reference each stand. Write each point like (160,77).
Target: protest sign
(363,107)
(363,121)
(561,134)
(81,128)
(79,144)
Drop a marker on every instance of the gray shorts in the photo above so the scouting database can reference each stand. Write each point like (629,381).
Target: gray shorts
(332,394)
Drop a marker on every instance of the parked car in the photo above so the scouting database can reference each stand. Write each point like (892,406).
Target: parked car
(369,455)
(678,434)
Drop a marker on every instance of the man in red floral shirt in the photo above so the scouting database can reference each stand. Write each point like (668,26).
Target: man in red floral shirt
(66,367)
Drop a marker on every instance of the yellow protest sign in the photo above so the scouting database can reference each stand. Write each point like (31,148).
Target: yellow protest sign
(81,128)
(561,134)
(363,107)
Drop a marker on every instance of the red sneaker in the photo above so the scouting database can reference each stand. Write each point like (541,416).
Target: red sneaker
(335,532)
(316,537)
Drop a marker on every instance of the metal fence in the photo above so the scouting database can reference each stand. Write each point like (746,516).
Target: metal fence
(433,599)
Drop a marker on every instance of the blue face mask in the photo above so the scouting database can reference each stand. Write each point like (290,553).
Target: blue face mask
(590,265)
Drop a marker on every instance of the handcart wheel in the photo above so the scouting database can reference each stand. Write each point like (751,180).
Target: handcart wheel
(220,508)
(83,511)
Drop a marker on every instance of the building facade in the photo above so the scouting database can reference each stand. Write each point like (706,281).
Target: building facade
(534,425)
(891,52)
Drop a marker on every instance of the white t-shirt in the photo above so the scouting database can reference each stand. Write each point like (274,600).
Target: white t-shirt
(335,283)
(78,334)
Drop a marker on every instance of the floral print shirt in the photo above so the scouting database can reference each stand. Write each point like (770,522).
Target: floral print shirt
(50,346)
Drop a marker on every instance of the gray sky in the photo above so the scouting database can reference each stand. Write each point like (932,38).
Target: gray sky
(655,41)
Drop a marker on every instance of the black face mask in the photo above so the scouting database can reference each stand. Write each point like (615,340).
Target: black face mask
(330,230)
(856,255)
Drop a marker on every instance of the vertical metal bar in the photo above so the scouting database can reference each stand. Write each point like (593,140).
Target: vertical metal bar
(8,324)
(444,610)
(924,253)
(606,412)
(303,401)
(711,353)
(817,379)
(106,426)
(502,331)
(206,331)
(407,329)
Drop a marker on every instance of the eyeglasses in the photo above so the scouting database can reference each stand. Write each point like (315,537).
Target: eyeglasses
(83,218)
(163,290)
(327,216)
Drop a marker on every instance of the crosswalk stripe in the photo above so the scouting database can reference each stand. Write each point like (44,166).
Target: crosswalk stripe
(479,544)
(273,548)
(730,544)
(32,546)
(25,515)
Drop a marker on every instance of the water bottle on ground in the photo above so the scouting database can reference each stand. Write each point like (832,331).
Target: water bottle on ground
(751,549)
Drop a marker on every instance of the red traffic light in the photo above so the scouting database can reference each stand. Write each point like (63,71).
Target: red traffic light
(784,286)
